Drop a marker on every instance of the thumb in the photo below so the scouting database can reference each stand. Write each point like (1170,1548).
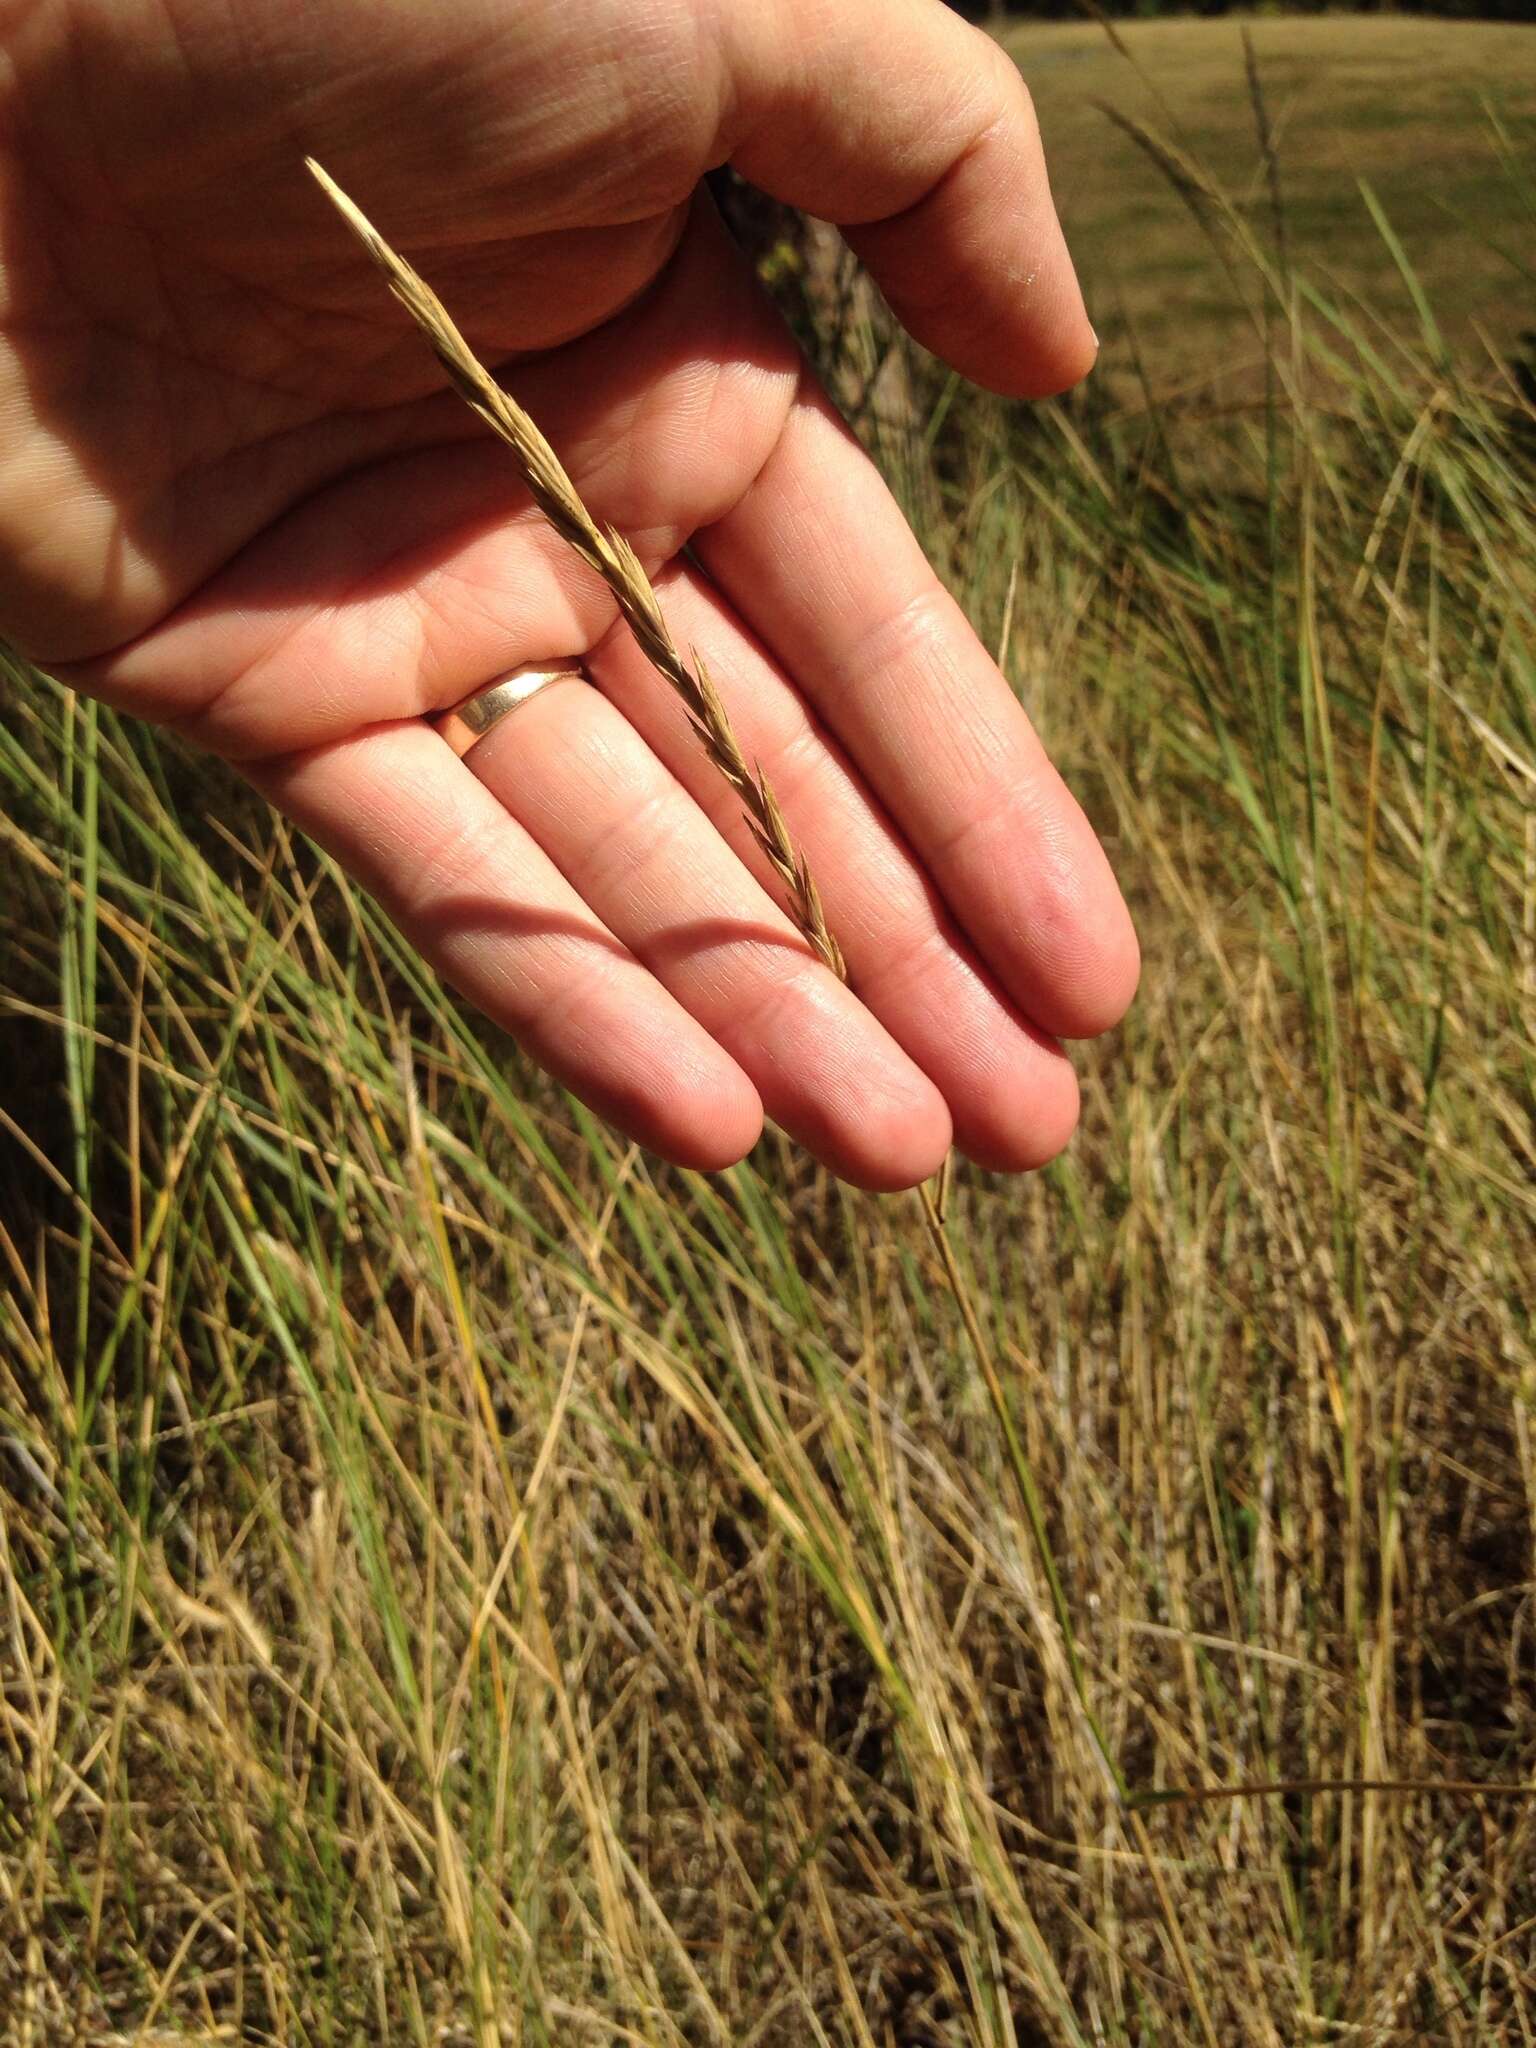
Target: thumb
(914,132)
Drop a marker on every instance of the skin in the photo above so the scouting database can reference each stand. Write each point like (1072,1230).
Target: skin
(236,499)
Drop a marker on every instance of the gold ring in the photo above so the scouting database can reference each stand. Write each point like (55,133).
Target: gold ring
(468,722)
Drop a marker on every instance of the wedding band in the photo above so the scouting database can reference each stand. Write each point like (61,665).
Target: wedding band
(469,722)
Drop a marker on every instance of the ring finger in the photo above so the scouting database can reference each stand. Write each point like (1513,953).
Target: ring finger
(577,776)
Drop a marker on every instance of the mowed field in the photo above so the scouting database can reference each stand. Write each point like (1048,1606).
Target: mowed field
(1437,117)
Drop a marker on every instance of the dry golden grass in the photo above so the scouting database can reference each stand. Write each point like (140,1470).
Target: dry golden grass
(459,1582)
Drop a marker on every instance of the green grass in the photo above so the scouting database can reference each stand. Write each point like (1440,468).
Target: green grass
(1420,110)
(462,1582)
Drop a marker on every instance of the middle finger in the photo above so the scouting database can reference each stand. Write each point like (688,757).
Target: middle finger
(575,774)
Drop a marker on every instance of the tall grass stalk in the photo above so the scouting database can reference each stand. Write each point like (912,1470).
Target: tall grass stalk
(610,555)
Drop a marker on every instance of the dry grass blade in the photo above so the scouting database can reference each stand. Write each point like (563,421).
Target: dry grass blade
(614,560)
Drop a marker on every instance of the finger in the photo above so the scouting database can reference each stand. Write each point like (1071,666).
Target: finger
(483,903)
(819,561)
(569,767)
(1011,1091)
(916,134)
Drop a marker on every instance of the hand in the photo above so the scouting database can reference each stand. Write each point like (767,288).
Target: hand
(236,498)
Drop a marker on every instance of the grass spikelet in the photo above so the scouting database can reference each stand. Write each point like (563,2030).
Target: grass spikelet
(607,552)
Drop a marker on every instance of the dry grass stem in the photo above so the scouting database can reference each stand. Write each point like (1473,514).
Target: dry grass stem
(615,561)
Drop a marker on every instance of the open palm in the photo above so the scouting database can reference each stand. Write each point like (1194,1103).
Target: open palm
(235,497)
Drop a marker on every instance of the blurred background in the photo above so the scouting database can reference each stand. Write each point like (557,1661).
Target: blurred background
(998,13)
(460,1581)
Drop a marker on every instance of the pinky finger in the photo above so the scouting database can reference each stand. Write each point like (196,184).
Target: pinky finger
(491,912)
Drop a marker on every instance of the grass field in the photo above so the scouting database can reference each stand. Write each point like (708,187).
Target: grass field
(460,1582)
(1422,111)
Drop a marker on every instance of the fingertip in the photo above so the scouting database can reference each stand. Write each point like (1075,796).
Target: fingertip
(1095,998)
(1122,975)
(1053,923)
(707,1119)
(1056,360)
(657,1076)
(1024,1122)
(895,1138)
(1007,339)
(714,1150)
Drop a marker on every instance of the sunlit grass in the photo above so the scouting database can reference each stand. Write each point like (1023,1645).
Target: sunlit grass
(1403,103)
(459,1580)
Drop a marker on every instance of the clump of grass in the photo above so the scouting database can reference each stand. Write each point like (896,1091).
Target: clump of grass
(461,1582)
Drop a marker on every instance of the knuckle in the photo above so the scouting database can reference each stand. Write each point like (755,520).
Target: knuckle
(644,842)
(441,866)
